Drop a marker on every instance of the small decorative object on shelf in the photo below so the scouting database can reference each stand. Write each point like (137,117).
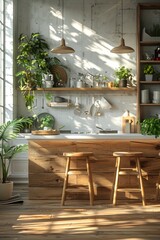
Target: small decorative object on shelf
(157,53)
(123,75)
(148,71)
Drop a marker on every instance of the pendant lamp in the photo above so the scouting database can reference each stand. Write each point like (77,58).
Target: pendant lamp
(122,48)
(63,49)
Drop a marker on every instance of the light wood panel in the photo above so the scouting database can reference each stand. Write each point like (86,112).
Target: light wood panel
(47,166)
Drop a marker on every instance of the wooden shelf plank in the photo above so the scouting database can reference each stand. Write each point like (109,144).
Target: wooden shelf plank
(150,82)
(149,43)
(150,61)
(150,104)
(88,89)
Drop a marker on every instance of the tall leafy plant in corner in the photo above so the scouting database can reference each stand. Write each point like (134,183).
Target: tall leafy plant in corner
(32,61)
(9,131)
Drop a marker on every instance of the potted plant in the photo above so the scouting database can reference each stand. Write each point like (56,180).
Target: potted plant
(31,59)
(28,125)
(148,71)
(123,74)
(46,122)
(35,65)
(151,126)
(9,131)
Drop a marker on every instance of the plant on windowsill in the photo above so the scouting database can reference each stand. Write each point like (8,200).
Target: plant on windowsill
(148,71)
(9,131)
(123,76)
(151,126)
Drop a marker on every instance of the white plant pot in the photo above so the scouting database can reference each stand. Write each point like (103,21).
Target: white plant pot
(148,77)
(47,128)
(49,84)
(6,190)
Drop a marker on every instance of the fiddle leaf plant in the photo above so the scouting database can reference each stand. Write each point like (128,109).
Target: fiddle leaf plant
(9,131)
(151,126)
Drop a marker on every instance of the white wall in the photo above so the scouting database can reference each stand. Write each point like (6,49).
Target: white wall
(92,28)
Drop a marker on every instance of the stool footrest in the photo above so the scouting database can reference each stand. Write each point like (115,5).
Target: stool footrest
(75,189)
(128,171)
(129,190)
(76,171)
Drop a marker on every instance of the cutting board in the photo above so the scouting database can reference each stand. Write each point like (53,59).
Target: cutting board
(128,124)
(45,132)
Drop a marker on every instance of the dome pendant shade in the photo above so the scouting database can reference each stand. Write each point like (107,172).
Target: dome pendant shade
(63,49)
(122,48)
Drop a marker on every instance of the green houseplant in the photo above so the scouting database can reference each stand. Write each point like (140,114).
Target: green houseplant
(151,126)
(9,131)
(46,122)
(148,71)
(31,60)
(34,62)
(123,74)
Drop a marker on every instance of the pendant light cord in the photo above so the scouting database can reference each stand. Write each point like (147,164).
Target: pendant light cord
(122,18)
(62,18)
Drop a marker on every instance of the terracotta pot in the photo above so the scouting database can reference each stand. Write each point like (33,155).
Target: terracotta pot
(6,190)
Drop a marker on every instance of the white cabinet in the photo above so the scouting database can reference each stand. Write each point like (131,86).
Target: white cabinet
(19,164)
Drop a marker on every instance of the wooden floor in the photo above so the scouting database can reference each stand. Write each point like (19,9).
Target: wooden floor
(46,219)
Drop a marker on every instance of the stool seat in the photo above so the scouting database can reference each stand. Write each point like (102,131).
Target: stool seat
(127,154)
(75,156)
(78,154)
(128,171)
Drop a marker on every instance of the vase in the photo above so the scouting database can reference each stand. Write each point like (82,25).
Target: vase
(6,190)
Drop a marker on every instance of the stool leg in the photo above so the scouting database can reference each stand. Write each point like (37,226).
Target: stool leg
(90,181)
(116,180)
(141,181)
(65,181)
(112,190)
(157,187)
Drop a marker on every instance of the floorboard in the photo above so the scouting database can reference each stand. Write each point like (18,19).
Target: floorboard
(47,219)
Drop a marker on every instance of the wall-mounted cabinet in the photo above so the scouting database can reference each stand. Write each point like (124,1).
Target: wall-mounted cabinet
(148,40)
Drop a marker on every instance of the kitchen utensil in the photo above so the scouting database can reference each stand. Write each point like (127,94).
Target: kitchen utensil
(60,99)
(98,112)
(105,104)
(77,110)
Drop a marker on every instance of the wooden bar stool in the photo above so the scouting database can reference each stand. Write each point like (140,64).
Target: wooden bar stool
(77,156)
(128,171)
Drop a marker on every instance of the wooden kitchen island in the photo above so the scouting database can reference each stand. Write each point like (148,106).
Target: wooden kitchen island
(47,165)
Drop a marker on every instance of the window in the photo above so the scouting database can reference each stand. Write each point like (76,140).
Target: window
(6,60)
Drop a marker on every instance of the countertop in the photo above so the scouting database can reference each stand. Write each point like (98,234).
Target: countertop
(93,136)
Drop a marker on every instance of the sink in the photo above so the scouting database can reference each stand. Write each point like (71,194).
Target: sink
(108,131)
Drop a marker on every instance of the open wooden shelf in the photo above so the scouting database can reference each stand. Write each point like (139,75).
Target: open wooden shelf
(88,89)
